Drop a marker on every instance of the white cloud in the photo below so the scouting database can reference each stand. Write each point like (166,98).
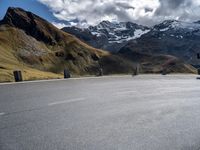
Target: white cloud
(145,12)
(59,25)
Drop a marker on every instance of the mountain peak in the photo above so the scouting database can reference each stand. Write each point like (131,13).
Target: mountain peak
(105,24)
(32,24)
(166,23)
(176,25)
(15,15)
(170,21)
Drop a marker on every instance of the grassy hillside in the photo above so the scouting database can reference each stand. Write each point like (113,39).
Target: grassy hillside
(11,49)
(31,44)
(38,60)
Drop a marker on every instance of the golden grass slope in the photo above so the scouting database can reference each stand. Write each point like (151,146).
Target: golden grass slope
(9,60)
(37,60)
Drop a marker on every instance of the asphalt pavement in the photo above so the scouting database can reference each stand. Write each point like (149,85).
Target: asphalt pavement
(146,112)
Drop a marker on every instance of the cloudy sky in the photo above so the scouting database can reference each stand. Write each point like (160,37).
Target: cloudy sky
(147,12)
(91,12)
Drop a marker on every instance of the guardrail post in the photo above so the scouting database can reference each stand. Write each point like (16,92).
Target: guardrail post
(99,72)
(18,76)
(66,74)
(136,70)
(164,72)
(198,55)
(198,71)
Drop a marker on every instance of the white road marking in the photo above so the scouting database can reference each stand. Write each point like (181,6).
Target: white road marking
(1,114)
(66,101)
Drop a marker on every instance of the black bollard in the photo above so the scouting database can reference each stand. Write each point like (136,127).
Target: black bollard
(17,76)
(100,72)
(164,72)
(198,71)
(66,74)
(136,70)
(198,55)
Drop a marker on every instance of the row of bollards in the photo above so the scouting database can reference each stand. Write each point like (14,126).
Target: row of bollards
(18,75)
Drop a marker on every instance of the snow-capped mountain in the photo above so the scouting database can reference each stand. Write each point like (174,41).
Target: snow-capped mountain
(178,29)
(119,32)
(177,25)
(171,37)
(107,35)
(178,38)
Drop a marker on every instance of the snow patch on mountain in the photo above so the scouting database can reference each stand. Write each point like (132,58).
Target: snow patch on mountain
(138,33)
(165,29)
(96,33)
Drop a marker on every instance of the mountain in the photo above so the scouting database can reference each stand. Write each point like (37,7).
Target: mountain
(108,35)
(31,44)
(42,51)
(171,37)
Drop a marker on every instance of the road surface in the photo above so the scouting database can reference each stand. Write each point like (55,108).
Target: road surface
(147,112)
